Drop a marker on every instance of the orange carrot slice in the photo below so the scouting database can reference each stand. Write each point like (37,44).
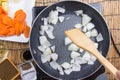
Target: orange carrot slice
(20,16)
(7,20)
(2,11)
(27,31)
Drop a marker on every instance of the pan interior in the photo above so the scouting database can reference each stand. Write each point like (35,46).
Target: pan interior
(61,49)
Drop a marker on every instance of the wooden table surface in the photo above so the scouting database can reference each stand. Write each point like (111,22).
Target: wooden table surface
(111,13)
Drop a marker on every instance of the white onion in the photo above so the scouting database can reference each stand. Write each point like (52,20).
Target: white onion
(47,51)
(43,41)
(60,70)
(67,41)
(88,34)
(94,33)
(85,19)
(76,67)
(90,26)
(78,26)
(45,21)
(53,49)
(54,65)
(60,9)
(86,56)
(80,60)
(50,34)
(73,47)
(74,54)
(42,33)
(68,71)
(72,61)
(84,29)
(54,56)
(96,45)
(44,27)
(45,58)
(78,12)
(90,62)
(61,18)
(42,48)
(53,17)
(93,58)
(65,65)
(99,37)
(81,50)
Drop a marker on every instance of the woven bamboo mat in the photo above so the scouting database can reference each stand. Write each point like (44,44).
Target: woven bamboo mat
(111,13)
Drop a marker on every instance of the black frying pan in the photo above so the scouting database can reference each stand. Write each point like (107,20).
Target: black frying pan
(61,49)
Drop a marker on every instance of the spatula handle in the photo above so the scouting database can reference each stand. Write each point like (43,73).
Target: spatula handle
(107,64)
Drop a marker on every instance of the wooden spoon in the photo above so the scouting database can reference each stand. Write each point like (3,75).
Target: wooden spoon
(81,40)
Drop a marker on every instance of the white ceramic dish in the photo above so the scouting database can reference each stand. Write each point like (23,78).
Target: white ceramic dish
(27,6)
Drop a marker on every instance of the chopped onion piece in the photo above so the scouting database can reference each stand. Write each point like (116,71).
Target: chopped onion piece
(65,65)
(45,58)
(80,60)
(84,29)
(67,41)
(42,48)
(74,54)
(42,33)
(96,45)
(44,27)
(45,21)
(68,71)
(90,62)
(53,14)
(53,49)
(53,17)
(54,65)
(76,67)
(54,56)
(47,51)
(86,56)
(60,9)
(78,12)
(88,34)
(99,37)
(43,41)
(78,26)
(81,50)
(50,34)
(85,19)
(90,26)
(61,18)
(94,33)
(72,61)
(93,58)
(60,70)
(72,47)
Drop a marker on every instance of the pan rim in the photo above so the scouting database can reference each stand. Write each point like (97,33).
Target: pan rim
(82,3)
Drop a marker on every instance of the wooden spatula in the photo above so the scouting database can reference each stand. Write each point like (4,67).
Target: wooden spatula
(81,40)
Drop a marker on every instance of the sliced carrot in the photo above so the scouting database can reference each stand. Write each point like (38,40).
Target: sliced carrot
(17,28)
(20,16)
(18,12)
(4,31)
(22,27)
(7,20)
(11,32)
(27,31)
(2,11)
